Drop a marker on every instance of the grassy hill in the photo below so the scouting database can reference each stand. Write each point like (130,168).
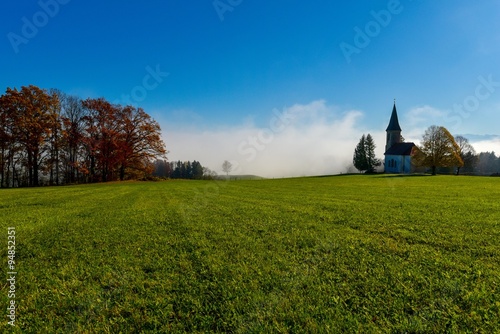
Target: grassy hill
(327,254)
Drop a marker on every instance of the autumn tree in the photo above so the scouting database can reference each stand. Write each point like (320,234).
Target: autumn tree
(72,123)
(12,154)
(54,137)
(55,142)
(139,141)
(438,149)
(7,142)
(102,139)
(32,112)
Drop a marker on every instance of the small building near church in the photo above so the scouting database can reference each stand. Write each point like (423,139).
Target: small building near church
(398,154)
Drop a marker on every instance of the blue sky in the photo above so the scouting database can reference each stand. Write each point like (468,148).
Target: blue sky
(216,73)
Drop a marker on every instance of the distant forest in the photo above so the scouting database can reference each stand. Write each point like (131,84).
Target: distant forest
(51,138)
(182,170)
(484,163)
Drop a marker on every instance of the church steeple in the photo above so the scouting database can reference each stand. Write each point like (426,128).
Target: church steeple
(393,129)
(394,123)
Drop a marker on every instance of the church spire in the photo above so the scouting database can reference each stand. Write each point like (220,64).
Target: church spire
(393,129)
(394,122)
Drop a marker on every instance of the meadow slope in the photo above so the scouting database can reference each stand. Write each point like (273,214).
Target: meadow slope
(333,254)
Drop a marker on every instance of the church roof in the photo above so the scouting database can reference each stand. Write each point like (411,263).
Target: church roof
(394,123)
(400,149)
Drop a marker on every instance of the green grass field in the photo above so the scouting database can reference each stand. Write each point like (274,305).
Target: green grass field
(367,254)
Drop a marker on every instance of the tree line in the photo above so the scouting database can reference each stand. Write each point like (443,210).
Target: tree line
(443,153)
(487,163)
(439,151)
(182,170)
(49,137)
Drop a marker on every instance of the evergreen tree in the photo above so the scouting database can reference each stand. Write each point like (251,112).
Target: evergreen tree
(371,160)
(359,159)
(177,171)
(197,170)
(364,155)
(189,170)
(487,163)
(183,171)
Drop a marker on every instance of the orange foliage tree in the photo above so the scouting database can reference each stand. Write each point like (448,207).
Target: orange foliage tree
(92,140)
(140,143)
(438,149)
(32,117)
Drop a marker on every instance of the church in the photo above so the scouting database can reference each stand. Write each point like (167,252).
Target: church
(397,153)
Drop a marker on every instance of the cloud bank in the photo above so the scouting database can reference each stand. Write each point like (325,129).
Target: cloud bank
(418,119)
(305,139)
(301,140)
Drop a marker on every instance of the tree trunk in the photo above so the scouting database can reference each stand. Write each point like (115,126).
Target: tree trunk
(35,173)
(30,168)
(57,166)
(122,172)
(51,178)
(104,172)
(9,162)
(92,168)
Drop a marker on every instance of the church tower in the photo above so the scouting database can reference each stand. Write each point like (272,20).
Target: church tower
(393,130)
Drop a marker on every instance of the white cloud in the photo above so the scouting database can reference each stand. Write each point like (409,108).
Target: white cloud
(424,114)
(456,120)
(305,139)
(418,119)
(487,145)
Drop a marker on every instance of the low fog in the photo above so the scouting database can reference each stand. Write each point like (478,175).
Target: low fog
(302,140)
